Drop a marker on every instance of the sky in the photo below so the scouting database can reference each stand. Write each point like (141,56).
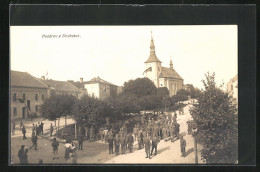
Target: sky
(117,53)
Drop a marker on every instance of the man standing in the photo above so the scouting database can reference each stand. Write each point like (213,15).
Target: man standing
(105,132)
(135,131)
(147,145)
(183,145)
(37,130)
(140,140)
(55,145)
(33,128)
(177,130)
(23,131)
(101,133)
(122,140)
(155,141)
(130,142)
(21,154)
(51,130)
(34,141)
(41,127)
(117,144)
(110,141)
(81,139)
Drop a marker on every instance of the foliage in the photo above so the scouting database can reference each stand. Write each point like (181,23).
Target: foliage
(163,92)
(57,106)
(217,123)
(139,87)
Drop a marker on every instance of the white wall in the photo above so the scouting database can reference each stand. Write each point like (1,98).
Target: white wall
(93,88)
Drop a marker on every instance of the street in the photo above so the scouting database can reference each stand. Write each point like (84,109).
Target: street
(97,152)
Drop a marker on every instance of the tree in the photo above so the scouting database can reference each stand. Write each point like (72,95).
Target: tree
(217,123)
(57,106)
(140,87)
(163,92)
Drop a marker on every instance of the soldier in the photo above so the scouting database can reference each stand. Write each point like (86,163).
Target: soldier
(135,131)
(183,145)
(36,130)
(177,130)
(110,141)
(117,144)
(105,133)
(130,142)
(41,127)
(51,130)
(175,114)
(140,140)
(34,141)
(23,131)
(122,138)
(91,134)
(155,141)
(81,140)
(21,154)
(55,145)
(147,144)
(174,119)
(101,133)
(33,128)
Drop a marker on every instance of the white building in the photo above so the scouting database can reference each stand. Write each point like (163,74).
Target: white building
(232,88)
(162,76)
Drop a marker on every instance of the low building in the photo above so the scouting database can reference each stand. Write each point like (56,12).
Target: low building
(232,88)
(79,85)
(26,94)
(61,87)
(100,88)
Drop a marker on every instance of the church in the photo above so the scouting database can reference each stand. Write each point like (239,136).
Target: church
(162,76)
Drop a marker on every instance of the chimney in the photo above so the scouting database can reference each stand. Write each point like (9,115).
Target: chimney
(43,77)
(81,80)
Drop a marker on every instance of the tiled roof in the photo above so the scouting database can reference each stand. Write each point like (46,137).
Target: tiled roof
(77,84)
(152,58)
(61,85)
(24,79)
(98,80)
(169,73)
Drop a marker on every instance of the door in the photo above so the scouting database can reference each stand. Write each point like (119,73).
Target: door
(23,112)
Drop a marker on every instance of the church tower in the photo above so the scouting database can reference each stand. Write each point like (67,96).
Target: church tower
(153,65)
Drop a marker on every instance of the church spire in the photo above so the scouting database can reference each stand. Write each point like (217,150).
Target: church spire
(171,65)
(152,57)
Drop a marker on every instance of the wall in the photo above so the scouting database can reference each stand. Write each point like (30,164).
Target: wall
(30,95)
(93,89)
(153,75)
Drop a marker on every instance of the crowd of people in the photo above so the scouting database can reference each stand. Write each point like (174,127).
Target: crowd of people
(148,132)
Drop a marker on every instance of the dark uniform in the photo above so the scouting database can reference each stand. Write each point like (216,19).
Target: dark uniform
(117,144)
(155,141)
(81,139)
(34,141)
(130,140)
(140,140)
(177,130)
(183,145)
(110,141)
(21,154)
(147,145)
(24,131)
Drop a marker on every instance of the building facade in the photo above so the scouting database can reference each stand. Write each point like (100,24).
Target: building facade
(162,76)
(27,93)
(232,88)
(100,88)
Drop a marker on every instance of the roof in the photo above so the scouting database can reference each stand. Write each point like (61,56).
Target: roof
(98,80)
(152,58)
(24,79)
(61,85)
(78,84)
(169,73)
(234,79)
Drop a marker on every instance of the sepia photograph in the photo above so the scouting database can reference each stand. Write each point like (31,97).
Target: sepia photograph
(128,94)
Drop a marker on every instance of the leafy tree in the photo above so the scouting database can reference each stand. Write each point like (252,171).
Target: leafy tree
(89,111)
(217,123)
(163,92)
(57,106)
(140,87)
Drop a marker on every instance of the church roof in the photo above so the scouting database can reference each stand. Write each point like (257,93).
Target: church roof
(62,86)
(152,58)
(98,80)
(169,73)
(24,79)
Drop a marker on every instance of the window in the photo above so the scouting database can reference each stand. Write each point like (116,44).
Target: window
(36,96)
(42,96)
(36,108)
(24,96)
(15,111)
(14,97)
